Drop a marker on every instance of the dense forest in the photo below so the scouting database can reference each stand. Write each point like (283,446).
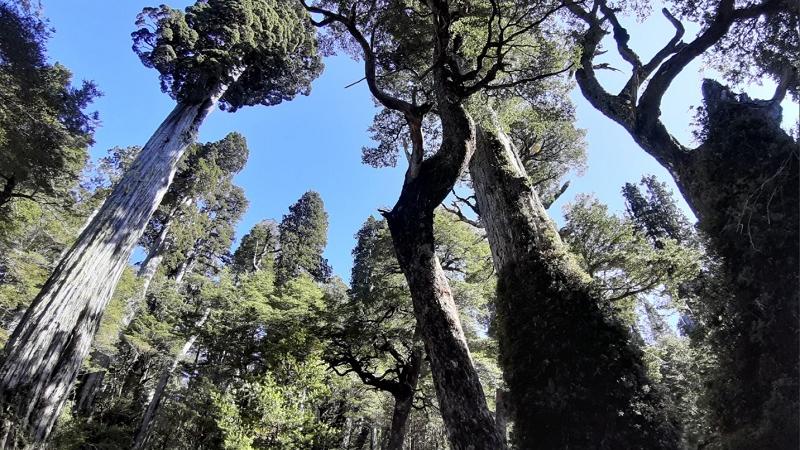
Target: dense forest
(136,311)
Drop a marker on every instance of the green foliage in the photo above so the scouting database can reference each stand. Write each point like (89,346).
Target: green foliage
(257,249)
(303,236)
(44,131)
(263,50)
(622,261)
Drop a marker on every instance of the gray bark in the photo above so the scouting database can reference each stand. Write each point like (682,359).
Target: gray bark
(562,353)
(501,412)
(44,354)
(157,393)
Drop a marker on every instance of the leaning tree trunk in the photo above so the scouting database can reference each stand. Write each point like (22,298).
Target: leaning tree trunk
(90,383)
(157,393)
(467,419)
(44,354)
(575,379)
(404,401)
(742,184)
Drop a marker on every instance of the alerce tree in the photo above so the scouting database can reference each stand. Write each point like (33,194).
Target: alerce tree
(228,52)
(741,183)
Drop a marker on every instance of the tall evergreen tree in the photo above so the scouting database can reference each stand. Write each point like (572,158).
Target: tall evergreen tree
(234,53)
(303,236)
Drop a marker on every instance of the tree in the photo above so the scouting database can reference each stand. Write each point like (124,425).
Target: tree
(371,333)
(303,236)
(740,182)
(258,248)
(562,351)
(420,57)
(236,53)
(44,131)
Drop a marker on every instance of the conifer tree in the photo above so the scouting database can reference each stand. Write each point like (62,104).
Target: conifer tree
(44,131)
(303,236)
(226,52)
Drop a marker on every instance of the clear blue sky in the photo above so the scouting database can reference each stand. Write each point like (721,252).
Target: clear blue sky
(315,142)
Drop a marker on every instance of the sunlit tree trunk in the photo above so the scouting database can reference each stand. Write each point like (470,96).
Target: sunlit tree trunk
(46,350)
(573,374)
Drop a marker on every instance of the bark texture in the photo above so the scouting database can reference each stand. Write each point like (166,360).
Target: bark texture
(467,419)
(44,354)
(575,378)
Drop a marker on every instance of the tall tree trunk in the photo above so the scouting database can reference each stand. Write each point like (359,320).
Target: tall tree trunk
(467,419)
(742,184)
(157,393)
(404,401)
(44,354)
(575,379)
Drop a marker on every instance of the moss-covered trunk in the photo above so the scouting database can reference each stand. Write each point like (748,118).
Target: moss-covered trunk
(575,378)
(44,354)
(742,183)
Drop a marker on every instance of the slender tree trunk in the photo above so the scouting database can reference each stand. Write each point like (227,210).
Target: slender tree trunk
(149,267)
(90,385)
(467,419)
(742,184)
(575,379)
(404,402)
(44,354)
(157,394)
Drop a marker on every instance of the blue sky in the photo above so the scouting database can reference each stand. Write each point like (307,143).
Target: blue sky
(315,142)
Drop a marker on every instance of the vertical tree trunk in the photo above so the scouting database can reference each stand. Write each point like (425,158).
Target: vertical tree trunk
(149,267)
(467,419)
(575,379)
(404,402)
(157,393)
(44,354)
(742,184)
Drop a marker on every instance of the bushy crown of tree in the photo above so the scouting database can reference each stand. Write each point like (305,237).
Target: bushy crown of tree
(269,44)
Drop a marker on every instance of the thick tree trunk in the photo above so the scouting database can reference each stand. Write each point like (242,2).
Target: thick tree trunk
(404,402)
(44,354)
(466,416)
(575,379)
(157,393)
(742,183)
